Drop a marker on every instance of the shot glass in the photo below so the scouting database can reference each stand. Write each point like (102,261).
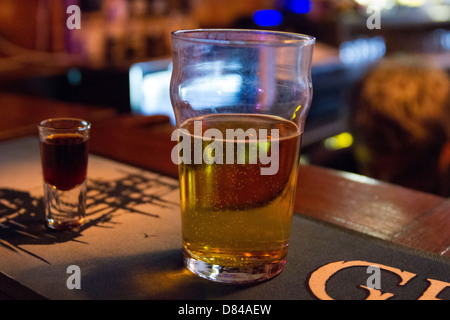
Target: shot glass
(64,158)
(240,99)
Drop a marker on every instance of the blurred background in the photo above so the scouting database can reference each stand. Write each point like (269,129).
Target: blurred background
(120,56)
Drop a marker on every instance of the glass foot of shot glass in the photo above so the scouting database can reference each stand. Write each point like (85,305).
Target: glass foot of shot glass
(240,99)
(64,158)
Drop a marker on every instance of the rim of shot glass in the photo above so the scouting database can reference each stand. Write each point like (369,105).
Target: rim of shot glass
(81,124)
(282,38)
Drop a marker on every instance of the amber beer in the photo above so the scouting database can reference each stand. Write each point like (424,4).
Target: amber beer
(232,215)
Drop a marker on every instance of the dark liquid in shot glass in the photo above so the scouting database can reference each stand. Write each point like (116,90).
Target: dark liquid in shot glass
(64,160)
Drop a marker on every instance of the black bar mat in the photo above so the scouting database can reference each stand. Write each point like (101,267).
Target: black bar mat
(326,261)
(130,247)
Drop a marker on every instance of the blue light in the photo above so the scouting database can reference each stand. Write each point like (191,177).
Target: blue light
(74,76)
(267,18)
(362,50)
(299,6)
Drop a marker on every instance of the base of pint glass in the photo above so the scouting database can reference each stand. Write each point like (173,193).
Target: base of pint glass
(65,209)
(233,275)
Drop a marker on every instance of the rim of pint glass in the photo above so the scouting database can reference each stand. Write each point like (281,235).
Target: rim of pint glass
(80,124)
(282,38)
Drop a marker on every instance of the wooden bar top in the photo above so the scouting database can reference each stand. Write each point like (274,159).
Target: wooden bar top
(20,115)
(403,216)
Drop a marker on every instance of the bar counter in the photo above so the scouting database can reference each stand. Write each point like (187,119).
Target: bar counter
(353,201)
(350,202)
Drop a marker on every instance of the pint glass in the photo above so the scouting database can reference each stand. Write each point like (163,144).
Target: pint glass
(240,99)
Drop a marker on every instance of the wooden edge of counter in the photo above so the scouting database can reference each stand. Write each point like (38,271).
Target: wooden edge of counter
(415,219)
